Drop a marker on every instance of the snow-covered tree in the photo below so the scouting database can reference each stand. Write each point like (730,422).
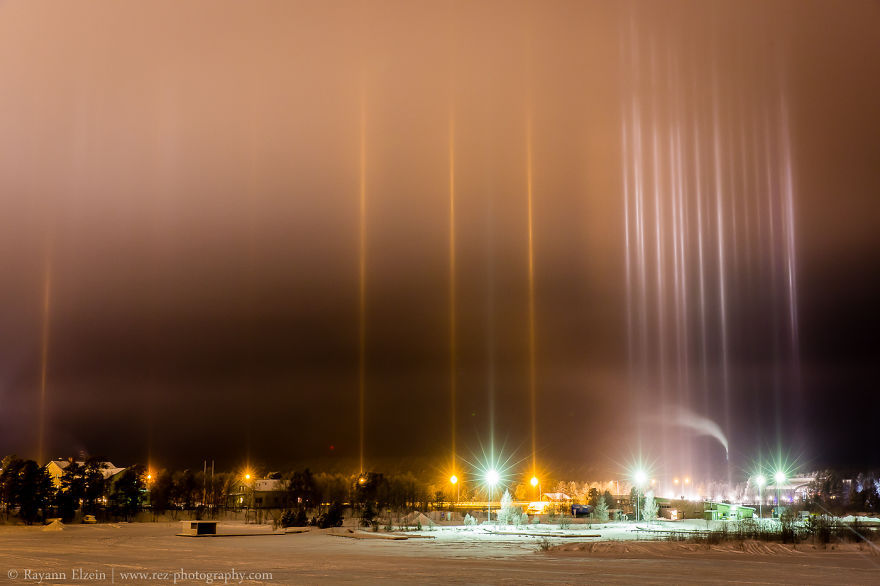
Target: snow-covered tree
(469,521)
(650,508)
(508,514)
(600,510)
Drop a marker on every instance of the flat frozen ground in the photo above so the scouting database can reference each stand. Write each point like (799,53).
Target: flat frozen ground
(452,555)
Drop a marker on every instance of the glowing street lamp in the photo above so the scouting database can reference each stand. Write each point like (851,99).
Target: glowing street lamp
(453,480)
(536,484)
(640,477)
(247,478)
(779,477)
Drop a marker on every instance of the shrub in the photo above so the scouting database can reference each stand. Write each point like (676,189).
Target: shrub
(787,520)
(332,517)
(294,519)
(820,528)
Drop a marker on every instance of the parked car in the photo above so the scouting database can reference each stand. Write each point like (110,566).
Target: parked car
(537,507)
(581,510)
(89,519)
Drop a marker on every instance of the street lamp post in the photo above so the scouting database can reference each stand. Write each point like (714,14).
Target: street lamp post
(454,481)
(640,477)
(760,481)
(249,487)
(779,477)
(492,479)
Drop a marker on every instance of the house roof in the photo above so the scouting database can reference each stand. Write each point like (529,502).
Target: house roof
(268,485)
(108,469)
(557,496)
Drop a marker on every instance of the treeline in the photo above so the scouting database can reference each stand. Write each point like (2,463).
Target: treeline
(301,498)
(838,494)
(27,490)
(298,497)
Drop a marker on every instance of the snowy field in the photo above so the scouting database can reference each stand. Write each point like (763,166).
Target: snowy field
(110,553)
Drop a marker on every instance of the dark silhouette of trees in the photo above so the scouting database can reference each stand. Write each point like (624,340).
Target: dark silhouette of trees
(127,492)
(93,484)
(27,488)
(35,492)
(184,491)
(161,491)
(9,483)
(366,492)
(609,500)
(302,491)
(71,492)
(301,496)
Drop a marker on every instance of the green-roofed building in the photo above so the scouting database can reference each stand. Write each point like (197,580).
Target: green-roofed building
(726,512)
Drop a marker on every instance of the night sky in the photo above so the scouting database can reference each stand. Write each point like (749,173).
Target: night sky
(185,179)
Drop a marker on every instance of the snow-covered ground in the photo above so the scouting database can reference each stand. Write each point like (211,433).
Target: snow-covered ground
(108,552)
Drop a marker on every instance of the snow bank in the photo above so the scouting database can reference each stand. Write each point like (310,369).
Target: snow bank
(54,525)
(853,518)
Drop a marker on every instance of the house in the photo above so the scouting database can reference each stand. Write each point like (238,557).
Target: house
(726,511)
(555,502)
(556,497)
(56,469)
(261,493)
